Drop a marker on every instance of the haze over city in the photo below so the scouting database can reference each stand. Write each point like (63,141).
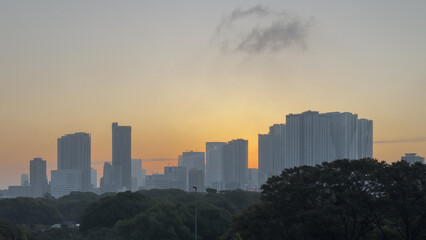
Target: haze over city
(185,73)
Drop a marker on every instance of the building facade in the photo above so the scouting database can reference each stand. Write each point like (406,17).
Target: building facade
(412,158)
(121,156)
(311,138)
(235,164)
(65,181)
(214,165)
(38,177)
(74,152)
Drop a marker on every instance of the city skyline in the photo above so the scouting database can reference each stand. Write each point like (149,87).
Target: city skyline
(186,73)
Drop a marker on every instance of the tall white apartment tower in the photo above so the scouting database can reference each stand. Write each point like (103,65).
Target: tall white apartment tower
(214,165)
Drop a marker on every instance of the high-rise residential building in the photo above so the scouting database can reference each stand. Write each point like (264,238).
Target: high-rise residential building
(121,156)
(25,181)
(65,181)
(136,174)
(38,177)
(307,137)
(412,158)
(252,179)
(93,178)
(74,152)
(235,164)
(176,177)
(365,138)
(107,180)
(143,179)
(196,178)
(271,152)
(311,138)
(344,135)
(214,165)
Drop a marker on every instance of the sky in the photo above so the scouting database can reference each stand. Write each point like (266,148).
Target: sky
(182,73)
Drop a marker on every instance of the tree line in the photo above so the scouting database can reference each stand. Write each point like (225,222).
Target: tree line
(363,199)
(357,199)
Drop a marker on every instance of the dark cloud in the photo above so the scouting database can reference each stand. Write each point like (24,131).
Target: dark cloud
(422,139)
(258,30)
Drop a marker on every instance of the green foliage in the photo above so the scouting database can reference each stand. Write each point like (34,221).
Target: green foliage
(163,221)
(109,210)
(211,190)
(362,199)
(72,206)
(9,231)
(29,211)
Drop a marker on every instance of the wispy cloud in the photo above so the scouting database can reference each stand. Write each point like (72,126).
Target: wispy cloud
(421,139)
(159,159)
(260,30)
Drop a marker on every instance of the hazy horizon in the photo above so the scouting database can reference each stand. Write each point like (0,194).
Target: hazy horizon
(185,73)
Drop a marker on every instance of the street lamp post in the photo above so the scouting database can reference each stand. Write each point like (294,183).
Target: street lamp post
(195,235)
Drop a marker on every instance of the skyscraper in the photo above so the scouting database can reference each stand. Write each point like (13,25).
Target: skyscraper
(235,164)
(107,180)
(271,152)
(38,177)
(214,165)
(365,138)
(74,152)
(121,156)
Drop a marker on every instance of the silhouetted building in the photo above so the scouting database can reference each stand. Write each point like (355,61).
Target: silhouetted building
(196,178)
(412,158)
(192,160)
(65,181)
(19,191)
(38,177)
(214,165)
(121,156)
(253,179)
(136,174)
(235,164)
(74,152)
(365,138)
(271,152)
(25,181)
(107,180)
(93,178)
(156,181)
(311,138)
(143,179)
(176,177)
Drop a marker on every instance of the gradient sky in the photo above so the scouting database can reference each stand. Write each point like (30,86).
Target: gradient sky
(185,72)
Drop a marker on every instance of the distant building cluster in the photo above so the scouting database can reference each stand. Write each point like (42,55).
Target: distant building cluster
(308,138)
(311,138)
(412,158)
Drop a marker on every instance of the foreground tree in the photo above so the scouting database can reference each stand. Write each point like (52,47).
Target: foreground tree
(363,199)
